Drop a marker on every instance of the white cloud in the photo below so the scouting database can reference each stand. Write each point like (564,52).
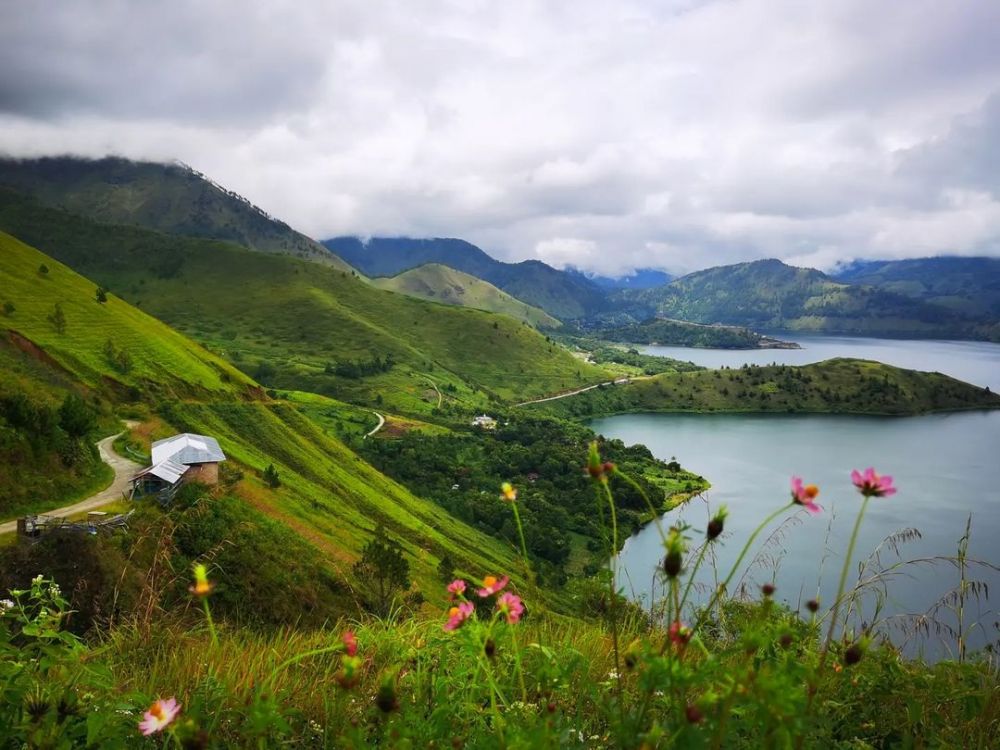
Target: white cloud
(609,135)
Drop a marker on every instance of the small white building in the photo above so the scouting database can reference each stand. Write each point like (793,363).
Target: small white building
(184,457)
(485,422)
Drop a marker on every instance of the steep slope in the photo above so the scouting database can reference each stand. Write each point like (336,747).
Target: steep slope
(768,294)
(439,283)
(563,295)
(967,285)
(328,496)
(294,324)
(171,198)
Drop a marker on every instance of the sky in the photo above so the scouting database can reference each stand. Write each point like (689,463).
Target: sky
(676,135)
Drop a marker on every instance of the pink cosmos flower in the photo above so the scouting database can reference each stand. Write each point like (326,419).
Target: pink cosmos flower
(159,715)
(492,584)
(871,484)
(458,615)
(805,495)
(456,588)
(511,606)
(350,643)
(679,634)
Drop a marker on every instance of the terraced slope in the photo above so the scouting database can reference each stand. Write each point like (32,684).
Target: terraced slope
(439,283)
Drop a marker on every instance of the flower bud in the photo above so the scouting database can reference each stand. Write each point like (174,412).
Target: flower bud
(490,648)
(853,654)
(672,564)
(717,524)
(767,589)
(813,606)
(693,714)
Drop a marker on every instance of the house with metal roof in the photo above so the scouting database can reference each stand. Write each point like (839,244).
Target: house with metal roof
(182,458)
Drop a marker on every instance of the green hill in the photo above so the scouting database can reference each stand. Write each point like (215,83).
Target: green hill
(330,498)
(171,198)
(564,295)
(298,325)
(970,286)
(439,283)
(842,386)
(770,295)
(664,332)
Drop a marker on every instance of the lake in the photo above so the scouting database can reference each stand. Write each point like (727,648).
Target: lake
(946,467)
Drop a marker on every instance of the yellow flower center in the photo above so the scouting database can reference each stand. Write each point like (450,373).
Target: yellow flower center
(489,582)
(157,710)
(453,611)
(811,491)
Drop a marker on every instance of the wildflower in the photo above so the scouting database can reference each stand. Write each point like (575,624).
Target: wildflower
(350,643)
(673,562)
(853,654)
(511,606)
(456,588)
(679,634)
(717,523)
(507,492)
(767,589)
(202,586)
(159,715)
(812,605)
(5,604)
(786,640)
(805,495)
(597,469)
(871,484)
(492,584)
(350,672)
(458,615)
(837,668)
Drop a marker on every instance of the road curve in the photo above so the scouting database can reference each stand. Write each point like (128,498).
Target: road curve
(124,469)
(379,426)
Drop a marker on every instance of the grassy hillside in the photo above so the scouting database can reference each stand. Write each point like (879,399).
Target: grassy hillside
(770,295)
(171,198)
(966,285)
(845,386)
(562,294)
(296,325)
(439,283)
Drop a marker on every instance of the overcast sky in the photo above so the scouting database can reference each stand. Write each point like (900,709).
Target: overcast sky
(610,135)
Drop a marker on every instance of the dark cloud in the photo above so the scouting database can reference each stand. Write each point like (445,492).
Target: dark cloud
(605,134)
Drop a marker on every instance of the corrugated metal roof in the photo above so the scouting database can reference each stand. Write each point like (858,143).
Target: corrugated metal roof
(169,471)
(188,448)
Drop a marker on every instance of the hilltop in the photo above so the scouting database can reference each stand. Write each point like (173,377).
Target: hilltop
(439,283)
(561,294)
(770,295)
(171,198)
(298,325)
(666,332)
(841,386)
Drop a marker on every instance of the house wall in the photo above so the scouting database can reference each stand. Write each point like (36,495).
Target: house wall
(204,473)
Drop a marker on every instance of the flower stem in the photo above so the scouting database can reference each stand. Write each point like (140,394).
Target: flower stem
(520,533)
(843,582)
(736,565)
(208,618)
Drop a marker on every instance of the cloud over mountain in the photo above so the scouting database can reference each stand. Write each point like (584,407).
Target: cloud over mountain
(607,135)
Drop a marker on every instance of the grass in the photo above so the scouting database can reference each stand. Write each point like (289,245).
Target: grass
(843,386)
(298,317)
(439,283)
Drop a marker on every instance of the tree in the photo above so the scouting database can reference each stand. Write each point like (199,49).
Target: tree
(384,569)
(271,478)
(446,568)
(43,270)
(75,417)
(8,308)
(101,294)
(58,318)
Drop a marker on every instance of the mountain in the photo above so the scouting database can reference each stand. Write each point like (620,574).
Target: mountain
(171,198)
(641,278)
(563,295)
(769,295)
(970,286)
(446,285)
(329,501)
(298,325)
(665,332)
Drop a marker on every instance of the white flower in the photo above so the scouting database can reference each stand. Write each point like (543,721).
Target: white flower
(6,604)
(37,580)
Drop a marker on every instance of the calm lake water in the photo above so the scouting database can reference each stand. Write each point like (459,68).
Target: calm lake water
(947,467)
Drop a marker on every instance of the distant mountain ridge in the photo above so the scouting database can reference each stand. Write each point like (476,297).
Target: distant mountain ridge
(171,198)
(641,278)
(770,295)
(563,295)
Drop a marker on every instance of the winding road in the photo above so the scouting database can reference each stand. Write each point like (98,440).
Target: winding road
(379,426)
(123,468)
